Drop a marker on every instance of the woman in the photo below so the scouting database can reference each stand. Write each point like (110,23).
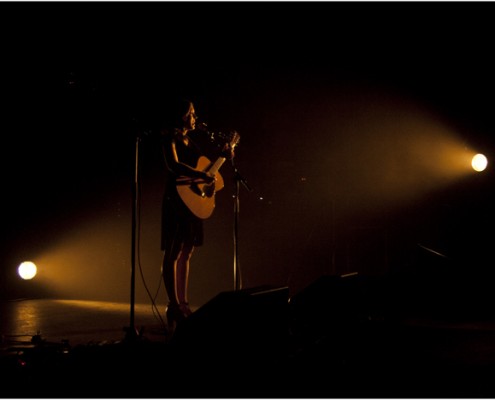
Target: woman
(182,231)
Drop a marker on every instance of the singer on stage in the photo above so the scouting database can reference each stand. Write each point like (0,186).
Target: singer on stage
(182,230)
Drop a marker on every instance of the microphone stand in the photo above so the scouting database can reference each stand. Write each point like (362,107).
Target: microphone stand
(131,331)
(238,178)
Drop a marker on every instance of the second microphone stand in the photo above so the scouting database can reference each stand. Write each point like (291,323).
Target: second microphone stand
(238,179)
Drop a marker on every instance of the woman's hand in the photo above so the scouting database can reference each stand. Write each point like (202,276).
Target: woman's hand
(228,152)
(209,177)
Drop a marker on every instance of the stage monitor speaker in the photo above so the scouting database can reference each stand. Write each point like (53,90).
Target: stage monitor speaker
(248,322)
(334,302)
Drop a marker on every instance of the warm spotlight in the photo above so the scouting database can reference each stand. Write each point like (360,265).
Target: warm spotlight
(27,270)
(479,162)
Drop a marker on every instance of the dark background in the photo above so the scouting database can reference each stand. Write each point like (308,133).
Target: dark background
(328,98)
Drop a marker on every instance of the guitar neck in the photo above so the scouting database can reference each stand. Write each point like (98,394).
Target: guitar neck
(217,165)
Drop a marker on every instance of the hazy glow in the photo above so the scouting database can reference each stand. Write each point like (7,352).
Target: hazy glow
(350,158)
(27,270)
(92,260)
(479,162)
(379,150)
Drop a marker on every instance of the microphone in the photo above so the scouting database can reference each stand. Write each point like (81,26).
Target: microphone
(203,127)
(140,129)
(217,137)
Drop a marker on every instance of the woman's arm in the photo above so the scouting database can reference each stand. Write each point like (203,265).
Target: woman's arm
(179,168)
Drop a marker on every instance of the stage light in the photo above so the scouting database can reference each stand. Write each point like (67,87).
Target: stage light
(27,270)
(479,162)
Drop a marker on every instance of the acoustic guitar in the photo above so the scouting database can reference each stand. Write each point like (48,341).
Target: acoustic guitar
(199,196)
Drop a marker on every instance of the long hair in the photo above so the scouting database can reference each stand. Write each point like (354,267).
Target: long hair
(174,113)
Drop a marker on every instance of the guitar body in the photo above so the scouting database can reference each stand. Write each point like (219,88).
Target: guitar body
(200,197)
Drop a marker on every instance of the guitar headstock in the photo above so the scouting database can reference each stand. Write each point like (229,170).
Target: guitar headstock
(229,140)
(234,140)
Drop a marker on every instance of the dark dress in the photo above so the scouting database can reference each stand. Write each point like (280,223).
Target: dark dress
(178,222)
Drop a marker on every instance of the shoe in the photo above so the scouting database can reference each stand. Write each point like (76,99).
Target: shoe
(176,313)
(185,309)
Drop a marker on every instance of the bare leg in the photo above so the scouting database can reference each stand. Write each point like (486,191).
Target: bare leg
(182,274)
(175,271)
(171,256)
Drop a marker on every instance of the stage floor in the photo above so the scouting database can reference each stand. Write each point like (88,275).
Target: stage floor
(77,322)
(76,348)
